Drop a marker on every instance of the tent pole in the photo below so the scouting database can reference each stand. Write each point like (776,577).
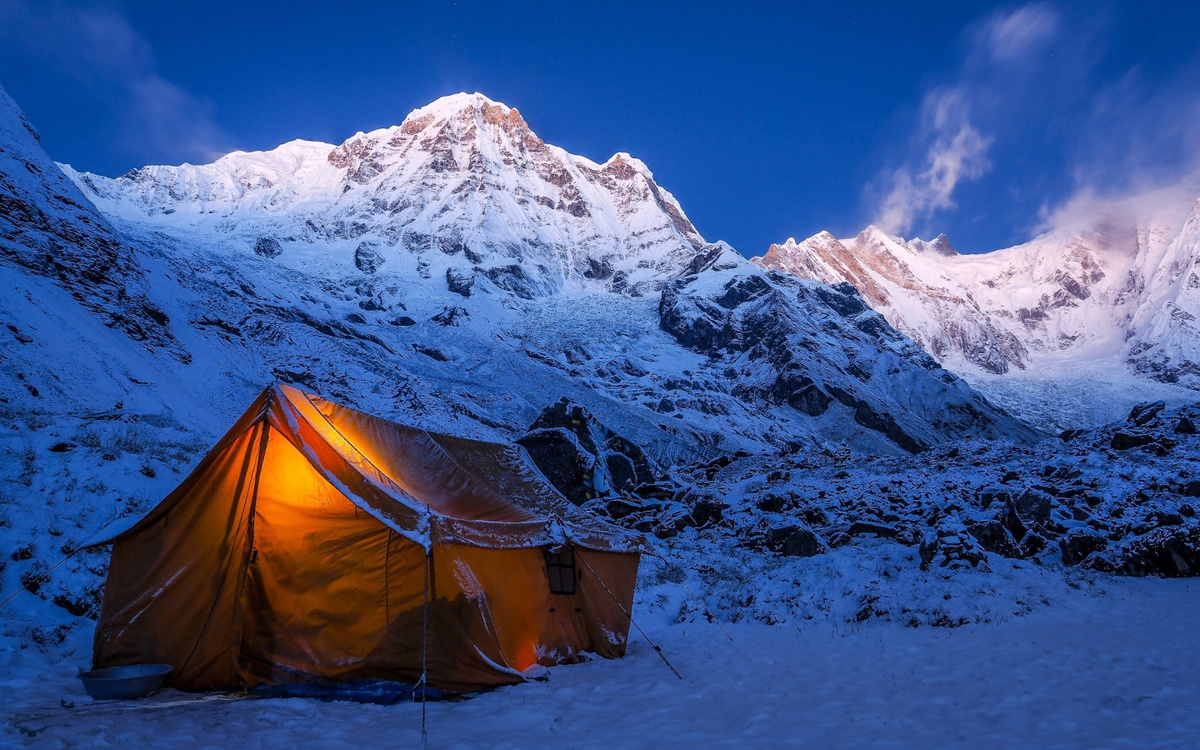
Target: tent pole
(425,654)
(658,650)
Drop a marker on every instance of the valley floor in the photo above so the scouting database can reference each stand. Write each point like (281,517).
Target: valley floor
(1112,664)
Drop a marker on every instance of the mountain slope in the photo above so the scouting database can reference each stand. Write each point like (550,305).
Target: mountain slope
(456,240)
(464,175)
(1109,294)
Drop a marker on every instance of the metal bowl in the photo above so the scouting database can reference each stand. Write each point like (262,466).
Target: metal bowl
(130,681)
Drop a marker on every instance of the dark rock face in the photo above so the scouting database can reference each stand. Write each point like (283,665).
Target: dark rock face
(512,278)
(1123,441)
(458,282)
(367,259)
(795,541)
(1077,545)
(1143,414)
(48,228)
(584,459)
(451,316)
(1170,552)
(1185,426)
(563,461)
(811,344)
(268,247)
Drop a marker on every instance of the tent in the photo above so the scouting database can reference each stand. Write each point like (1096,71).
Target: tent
(318,544)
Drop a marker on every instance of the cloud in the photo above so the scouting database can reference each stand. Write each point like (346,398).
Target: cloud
(956,151)
(1011,37)
(95,45)
(950,147)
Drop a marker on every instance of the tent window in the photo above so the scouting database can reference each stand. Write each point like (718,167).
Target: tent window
(560,569)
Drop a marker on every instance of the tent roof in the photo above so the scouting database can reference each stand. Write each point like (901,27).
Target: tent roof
(428,487)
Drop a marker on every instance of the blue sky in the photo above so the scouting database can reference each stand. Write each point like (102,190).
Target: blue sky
(765,120)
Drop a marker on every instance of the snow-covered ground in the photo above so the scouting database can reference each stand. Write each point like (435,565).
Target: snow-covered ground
(1111,663)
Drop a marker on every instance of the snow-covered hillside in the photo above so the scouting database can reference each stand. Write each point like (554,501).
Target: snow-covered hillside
(1067,301)
(463,175)
(490,273)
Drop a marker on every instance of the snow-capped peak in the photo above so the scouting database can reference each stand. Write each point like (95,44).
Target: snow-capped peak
(462,173)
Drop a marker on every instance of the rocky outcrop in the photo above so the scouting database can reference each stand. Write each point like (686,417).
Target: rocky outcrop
(367,259)
(268,247)
(50,229)
(1065,293)
(809,345)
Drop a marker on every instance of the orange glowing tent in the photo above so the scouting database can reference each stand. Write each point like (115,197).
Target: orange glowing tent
(318,544)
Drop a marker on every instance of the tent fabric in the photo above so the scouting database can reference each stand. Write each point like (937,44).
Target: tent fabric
(315,543)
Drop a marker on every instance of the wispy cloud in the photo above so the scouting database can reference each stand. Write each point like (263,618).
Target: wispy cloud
(949,145)
(97,46)
(956,151)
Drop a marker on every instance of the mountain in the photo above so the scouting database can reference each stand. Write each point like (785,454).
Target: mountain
(461,175)
(490,272)
(1119,298)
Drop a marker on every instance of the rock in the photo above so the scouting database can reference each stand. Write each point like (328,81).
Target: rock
(801,393)
(795,541)
(402,321)
(512,278)
(560,458)
(1125,440)
(708,511)
(431,352)
(63,447)
(356,318)
(1033,544)
(771,503)
(459,282)
(858,528)
(1078,544)
(1170,552)
(1191,489)
(619,508)
(1033,507)
(451,316)
(367,259)
(1185,426)
(268,247)
(1143,414)
(994,537)
(814,516)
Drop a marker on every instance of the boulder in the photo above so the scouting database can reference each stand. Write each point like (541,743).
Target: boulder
(795,541)
(367,259)
(1122,440)
(459,282)
(451,316)
(707,511)
(1185,426)
(994,537)
(1143,414)
(268,247)
(1169,551)
(560,458)
(1078,544)
(1033,508)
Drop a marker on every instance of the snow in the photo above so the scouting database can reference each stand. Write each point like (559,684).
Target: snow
(854,646)
(1109,666)
(1117,295)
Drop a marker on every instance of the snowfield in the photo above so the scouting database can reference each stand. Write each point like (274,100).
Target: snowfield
(1101,663)
(899,561)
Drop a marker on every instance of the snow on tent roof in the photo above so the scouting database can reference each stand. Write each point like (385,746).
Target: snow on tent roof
(428,487)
